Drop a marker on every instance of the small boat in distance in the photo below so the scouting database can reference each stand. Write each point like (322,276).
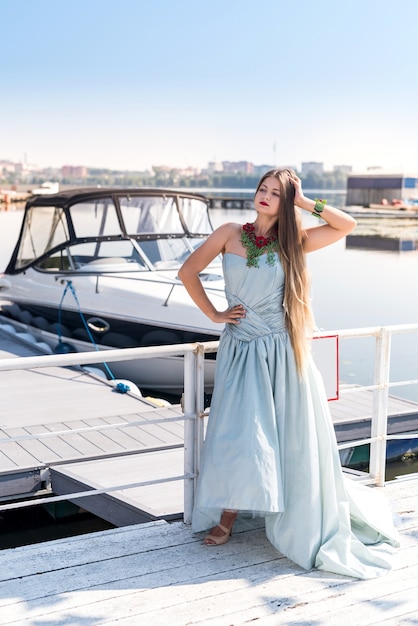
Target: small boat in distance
(99,266)
(46,188)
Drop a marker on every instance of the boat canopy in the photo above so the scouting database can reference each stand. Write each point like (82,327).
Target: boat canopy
(144,228)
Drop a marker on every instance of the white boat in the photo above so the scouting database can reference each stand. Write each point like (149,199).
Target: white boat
(46,188)
(99,266)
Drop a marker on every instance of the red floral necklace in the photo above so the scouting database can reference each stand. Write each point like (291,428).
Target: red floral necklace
(256,246)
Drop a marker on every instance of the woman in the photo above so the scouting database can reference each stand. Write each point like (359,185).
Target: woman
(270,445)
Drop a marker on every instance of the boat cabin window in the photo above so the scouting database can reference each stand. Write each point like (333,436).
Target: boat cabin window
(150,214)
(159,214)
(196,216)
(106,256)
(95,257)
(43,229)
(95,219)
(168,253)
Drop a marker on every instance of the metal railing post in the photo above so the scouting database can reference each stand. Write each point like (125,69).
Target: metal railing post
(377,463)
(200,406)
(189,410)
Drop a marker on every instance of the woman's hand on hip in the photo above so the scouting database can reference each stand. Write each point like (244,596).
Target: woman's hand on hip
(231,316)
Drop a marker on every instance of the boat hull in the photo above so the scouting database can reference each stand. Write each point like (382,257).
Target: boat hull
(163,374)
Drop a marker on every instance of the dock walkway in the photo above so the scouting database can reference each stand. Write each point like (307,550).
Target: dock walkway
(157,572)
(160,573)
(63,431)
(87,436)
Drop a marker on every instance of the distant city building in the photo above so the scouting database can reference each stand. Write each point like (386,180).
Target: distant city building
(162,170)
(188,172)
(167,171)
(342,169)
(312,167)
(8,166)
(74,171)
(260,170)
(238,167)
(214,167)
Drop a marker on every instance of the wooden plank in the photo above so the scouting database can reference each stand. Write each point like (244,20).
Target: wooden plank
(70,446)
(60,394)
(6,462)
(81,447)
(359,405)
(155,501)
(61,447)
(18,455)
(160,573)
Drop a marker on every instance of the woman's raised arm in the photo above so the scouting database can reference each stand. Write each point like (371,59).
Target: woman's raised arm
(338,223)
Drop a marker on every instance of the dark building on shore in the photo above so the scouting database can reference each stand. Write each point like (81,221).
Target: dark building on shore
(368,189)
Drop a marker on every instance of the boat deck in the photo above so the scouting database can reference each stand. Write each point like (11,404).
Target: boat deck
(160,573)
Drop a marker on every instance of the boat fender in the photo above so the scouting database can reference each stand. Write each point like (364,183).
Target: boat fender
(60,330)
(96,371)
(40,322)
(12,310)
(160,337)
(25,317)
(27,337)
(44,347)
(63,347)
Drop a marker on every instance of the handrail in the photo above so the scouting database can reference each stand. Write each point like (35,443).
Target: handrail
(193,402)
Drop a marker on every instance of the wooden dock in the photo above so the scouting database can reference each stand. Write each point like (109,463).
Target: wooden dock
(89,437)
(160,573)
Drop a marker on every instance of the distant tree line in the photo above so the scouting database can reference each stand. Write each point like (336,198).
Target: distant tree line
(172,178)
(220,180)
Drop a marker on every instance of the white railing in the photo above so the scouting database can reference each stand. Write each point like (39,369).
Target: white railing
(379,418)
(193,404)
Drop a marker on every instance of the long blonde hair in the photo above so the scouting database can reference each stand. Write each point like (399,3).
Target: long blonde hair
(297,309)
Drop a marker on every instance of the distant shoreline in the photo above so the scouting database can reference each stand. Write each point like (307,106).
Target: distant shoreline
(27,187)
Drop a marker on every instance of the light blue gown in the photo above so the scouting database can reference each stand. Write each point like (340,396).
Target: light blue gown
(270,446)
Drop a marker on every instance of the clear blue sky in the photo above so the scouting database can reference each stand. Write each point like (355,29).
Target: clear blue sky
(134,83)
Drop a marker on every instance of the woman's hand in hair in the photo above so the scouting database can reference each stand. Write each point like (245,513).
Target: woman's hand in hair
(300,198)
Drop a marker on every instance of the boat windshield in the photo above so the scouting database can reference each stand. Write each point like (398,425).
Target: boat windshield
(160,233)
(195,215)
(96,218)
(43,229)
(159,214)
(126,255)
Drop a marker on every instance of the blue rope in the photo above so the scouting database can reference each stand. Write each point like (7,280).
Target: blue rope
(120,386)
